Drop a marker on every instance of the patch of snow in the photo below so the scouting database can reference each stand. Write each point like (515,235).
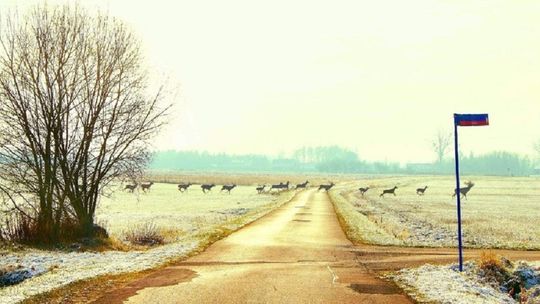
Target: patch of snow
(443,284)
(65,268)
(15,274)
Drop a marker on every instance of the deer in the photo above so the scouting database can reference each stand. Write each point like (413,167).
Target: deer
(146,186)
(228,188)
(363,190)
(131,188)
(388,191)
(421,191)
(280,186)
(260,189)
(464,190)
(184,187)
(302,185)
(326,187)
(207,187)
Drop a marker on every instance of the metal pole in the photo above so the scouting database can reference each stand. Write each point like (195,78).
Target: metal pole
(458,194)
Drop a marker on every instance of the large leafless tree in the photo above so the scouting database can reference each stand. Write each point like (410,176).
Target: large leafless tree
(75,113)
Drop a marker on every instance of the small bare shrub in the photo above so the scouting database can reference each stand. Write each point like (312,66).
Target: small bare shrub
(146,234)
(17,228)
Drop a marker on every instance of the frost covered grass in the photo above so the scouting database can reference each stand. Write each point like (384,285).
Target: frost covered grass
(173,213)
(442,284)
(499,212)
(357,226)
(445,284)
(189,221)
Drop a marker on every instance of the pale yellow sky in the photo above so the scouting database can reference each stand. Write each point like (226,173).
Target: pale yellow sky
(379,77)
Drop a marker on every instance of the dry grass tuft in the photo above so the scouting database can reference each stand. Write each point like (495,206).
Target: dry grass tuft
(172,234)
(147,234)
(490,261)
(493,268)
(106,244)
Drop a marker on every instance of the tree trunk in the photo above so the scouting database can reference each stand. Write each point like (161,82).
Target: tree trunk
(86,225)
(45,231)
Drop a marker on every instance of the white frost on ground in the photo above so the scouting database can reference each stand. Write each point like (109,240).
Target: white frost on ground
(64,268)
(444,284)
(441,284)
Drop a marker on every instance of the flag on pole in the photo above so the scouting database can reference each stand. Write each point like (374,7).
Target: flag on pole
(471,120)
(465,120)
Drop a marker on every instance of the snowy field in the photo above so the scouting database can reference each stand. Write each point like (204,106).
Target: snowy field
(499,212)
(186,218)
(176,213)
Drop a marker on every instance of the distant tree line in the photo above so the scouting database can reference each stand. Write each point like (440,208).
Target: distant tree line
(493,163)
(335,159)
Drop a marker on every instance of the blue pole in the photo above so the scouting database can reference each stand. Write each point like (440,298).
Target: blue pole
(458,194)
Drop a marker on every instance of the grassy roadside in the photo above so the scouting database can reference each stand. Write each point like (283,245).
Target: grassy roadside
(358,228)
(89,290)
(499,212)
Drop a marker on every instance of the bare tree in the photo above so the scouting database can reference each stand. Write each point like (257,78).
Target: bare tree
(75,114)
(441,144)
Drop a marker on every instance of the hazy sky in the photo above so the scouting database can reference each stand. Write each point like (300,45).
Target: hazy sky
(379,77)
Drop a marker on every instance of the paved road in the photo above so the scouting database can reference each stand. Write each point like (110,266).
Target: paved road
(296,254)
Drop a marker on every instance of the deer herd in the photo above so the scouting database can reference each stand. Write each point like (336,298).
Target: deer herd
(421,191)
(206,188)
(286,186)
(144,186)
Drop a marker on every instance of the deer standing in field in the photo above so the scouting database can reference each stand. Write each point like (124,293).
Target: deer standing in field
(363,190)
(227,188)
(302,185)
(464,190)
(184,187)
(326,187)
(146,186)
(207,187)
(421,191)
(131,188)
(388,191)
(260,189)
